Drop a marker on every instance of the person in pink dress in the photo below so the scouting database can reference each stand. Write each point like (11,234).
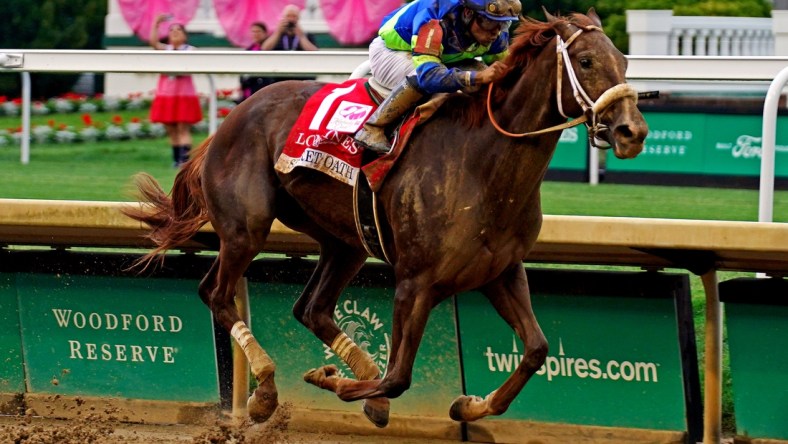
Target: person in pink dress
(175,104)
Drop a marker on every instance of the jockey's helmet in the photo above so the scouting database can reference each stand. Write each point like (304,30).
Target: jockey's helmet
(497,10)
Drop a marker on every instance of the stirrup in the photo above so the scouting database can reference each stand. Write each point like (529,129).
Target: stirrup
(376,146)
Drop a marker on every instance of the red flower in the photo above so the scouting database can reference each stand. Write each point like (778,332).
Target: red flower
(3,99)
(135,119)
(62,126)
(87,119)
(73,96)
(17,101)
(117,120)
(223,111)
(51,123)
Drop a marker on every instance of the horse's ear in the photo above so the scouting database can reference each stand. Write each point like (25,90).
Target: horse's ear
(550,17)
(594,17)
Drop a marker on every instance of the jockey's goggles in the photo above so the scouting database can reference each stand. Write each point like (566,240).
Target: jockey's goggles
(492,25)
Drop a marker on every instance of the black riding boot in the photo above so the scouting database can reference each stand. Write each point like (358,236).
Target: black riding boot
(373,135)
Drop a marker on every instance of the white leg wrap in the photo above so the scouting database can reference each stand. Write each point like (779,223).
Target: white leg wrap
(242,334)
(261,363)
(358,361)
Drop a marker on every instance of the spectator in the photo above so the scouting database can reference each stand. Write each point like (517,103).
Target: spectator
(251,84)
(289,36)
(175,104)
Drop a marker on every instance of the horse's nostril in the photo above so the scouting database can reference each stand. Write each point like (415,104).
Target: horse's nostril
(624,131)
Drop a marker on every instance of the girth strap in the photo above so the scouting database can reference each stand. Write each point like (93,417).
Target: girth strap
(365,213)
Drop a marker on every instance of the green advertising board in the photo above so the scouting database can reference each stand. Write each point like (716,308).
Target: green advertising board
(712,144)
(12,376)
(572,150)
(117,337)
(364,313)
(614,360)
(756,316)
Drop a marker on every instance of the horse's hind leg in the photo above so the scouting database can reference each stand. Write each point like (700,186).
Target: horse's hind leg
(242,219)
(338,264)
(218,290)
(510,296)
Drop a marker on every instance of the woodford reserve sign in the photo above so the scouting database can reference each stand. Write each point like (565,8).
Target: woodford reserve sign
(110,336)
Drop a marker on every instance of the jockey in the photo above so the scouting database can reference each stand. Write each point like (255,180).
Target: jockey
(430,46)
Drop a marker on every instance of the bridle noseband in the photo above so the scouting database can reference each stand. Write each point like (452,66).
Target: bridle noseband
(591,109)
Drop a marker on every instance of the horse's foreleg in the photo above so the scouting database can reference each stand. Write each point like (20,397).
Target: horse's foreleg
(511,298)
(338,264)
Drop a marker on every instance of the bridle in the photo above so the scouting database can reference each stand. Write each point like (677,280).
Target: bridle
(591,109)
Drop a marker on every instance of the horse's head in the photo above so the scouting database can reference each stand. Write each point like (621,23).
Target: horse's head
(592,82)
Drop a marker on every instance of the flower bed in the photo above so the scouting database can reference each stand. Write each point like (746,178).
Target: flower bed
(91,129)
(71,103)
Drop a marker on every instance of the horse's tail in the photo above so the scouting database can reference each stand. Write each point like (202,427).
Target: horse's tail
(175,218)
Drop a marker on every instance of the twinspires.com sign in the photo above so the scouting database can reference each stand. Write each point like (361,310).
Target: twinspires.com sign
(127,337)
(614,357)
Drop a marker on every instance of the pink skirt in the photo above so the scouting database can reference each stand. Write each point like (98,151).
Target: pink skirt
(176,101)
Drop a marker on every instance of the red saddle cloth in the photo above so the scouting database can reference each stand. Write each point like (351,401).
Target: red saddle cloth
(322,138)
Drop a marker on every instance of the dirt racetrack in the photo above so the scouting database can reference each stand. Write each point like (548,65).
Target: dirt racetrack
(76,420)
(108,427)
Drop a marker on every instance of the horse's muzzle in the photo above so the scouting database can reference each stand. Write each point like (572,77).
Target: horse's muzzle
(627,133)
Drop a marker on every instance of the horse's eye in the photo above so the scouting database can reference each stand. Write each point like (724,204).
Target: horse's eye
(585,63)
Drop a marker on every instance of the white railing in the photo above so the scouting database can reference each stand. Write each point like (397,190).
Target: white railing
(659,32)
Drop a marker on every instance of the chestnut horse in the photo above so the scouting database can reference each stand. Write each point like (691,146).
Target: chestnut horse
(462,207)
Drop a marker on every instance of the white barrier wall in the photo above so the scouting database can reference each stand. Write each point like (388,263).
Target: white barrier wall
(659,32)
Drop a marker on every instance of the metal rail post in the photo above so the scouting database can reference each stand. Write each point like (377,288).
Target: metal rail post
(593,165)
(240,363)
(212,106)
(768,142)
(24,154)
(712,400)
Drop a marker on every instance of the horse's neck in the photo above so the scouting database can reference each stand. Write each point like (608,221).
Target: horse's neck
(513,178)
(529,106)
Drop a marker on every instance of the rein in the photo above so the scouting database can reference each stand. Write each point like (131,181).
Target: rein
(590,107)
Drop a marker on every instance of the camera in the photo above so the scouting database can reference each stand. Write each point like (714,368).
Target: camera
(290,25)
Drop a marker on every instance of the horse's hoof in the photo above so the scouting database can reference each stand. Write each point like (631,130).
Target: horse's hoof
(465,408)
(317,376)
(262,404)
(377,411)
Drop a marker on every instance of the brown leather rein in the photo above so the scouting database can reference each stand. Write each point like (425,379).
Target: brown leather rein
(610,96)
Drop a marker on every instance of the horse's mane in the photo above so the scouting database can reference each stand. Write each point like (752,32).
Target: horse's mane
(530,37)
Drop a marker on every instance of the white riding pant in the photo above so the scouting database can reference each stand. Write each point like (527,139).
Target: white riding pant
(389,68)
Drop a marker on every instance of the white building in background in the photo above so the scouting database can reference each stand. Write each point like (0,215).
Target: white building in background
(659,32)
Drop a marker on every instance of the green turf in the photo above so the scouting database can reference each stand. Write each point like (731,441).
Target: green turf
(102,171)
(89,171)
